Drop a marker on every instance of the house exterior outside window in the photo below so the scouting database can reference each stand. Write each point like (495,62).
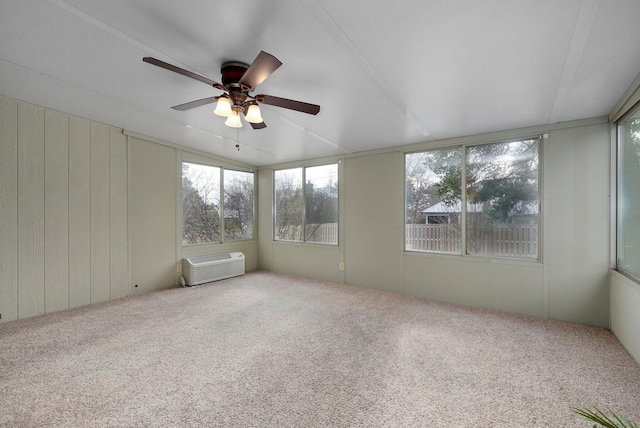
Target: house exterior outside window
(499,216)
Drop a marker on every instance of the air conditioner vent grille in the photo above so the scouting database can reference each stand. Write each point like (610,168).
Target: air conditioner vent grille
(211,258)
(198,270)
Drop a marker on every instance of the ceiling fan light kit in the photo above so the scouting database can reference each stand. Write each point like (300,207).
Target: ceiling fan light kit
(233,120)
(223,107)
(238,81)
(253,114)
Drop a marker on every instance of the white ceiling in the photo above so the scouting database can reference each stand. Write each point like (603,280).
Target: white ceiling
(385,73)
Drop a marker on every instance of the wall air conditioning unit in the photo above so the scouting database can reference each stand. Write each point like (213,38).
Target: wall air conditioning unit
(198,270)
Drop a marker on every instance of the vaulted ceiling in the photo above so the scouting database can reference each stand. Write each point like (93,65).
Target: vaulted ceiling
(385,73)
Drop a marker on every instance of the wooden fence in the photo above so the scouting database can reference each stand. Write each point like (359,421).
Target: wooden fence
(441,238)
(506,240)
(325,233)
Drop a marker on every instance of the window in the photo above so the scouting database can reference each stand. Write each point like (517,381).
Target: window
(499,217)
(200,204)
(433,201)
(321,204)
(238,205)
(628,211)
(203,216)
(311,208)
(502,199)
(289,205)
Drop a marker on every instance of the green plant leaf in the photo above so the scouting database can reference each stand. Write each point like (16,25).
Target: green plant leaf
(601,418)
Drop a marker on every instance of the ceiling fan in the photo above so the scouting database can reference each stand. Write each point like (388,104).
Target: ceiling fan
(238,81)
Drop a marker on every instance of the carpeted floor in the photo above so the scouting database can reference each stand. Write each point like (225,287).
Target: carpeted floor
(268,350)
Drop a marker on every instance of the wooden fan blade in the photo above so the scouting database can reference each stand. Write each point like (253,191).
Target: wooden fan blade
(286,103)
(260,125)
(182,71)
(260,69)
(194,104)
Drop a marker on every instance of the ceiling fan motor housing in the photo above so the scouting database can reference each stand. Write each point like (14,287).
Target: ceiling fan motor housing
(232,72)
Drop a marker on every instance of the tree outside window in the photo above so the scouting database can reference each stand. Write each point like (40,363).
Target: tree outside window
(502,199)
(202,213)
(238,205)
(200,204)
(433,196)
(321,204)
(311,208)
(501,191)
(289,204)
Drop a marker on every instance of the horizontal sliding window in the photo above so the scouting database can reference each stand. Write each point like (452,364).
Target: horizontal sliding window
(495,213)
(216,200)
(306,204)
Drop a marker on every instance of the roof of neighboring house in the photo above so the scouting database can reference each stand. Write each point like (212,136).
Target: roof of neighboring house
(442,208)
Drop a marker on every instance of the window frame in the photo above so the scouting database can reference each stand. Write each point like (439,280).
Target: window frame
(275,206)
(460,217)
(304,206)
(223,203)
(619,159)
(221,208)
(463,200)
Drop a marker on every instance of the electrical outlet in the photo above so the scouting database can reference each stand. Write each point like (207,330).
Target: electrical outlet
(179,267)
(341,266)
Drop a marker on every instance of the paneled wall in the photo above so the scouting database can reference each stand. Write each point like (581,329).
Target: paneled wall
(68,230)
(577,209)
(374,235)
(568,283)
(317,261)
(63,211)
(155,217)
(625,316)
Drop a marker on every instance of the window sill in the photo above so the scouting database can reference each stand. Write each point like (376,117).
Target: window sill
(627,276)
(477,259)
(311,244)
(213,244)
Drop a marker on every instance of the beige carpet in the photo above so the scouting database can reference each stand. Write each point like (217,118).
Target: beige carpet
(268,350)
